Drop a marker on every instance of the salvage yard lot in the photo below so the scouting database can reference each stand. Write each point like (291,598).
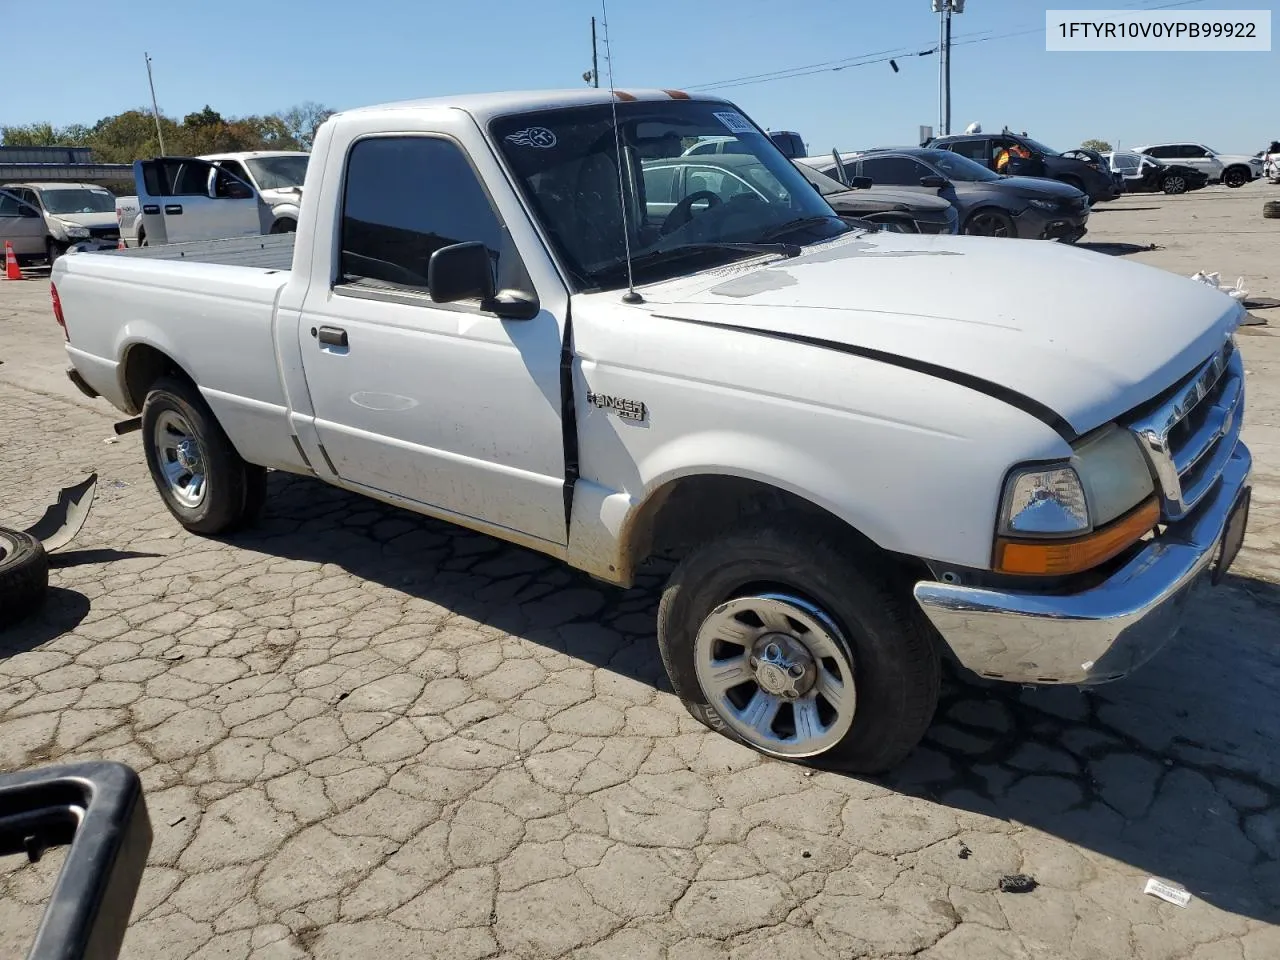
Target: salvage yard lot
(363,733)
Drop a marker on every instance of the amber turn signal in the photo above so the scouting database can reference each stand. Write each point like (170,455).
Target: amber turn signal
(1058,558)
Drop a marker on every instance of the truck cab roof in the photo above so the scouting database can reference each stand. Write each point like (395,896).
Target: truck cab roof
(485,106)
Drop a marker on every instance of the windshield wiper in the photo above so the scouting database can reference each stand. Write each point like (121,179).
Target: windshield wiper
(672,254)
(798,223)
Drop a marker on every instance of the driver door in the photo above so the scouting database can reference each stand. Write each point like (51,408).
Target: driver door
(185,199)
(22,224)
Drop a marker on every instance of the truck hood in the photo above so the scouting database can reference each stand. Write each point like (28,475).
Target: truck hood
(107,219)
(1085,335)
(885,198)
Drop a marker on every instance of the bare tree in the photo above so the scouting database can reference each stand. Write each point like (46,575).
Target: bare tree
(303,120)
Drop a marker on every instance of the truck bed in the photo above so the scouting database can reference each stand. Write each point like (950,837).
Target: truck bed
(271,252)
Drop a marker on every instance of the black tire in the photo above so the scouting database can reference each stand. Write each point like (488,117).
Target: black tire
(1174,184)
(285,225)
(894,662)
(53,250)
(24,576)
(1271,210)
(233,489)
(1236,177)
(990,222)
(142,237)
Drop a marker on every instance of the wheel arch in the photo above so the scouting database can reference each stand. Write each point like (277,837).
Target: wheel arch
(687,507)
(141,366)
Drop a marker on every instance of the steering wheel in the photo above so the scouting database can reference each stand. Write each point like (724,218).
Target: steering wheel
(682,212)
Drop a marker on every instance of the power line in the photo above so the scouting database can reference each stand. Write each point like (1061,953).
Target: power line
(884,56)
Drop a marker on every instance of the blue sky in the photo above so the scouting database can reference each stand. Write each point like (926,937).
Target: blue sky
(257,58)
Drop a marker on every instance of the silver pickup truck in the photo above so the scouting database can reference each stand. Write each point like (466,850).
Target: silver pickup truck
(868,450)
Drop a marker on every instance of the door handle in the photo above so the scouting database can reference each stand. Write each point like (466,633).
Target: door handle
(151,208)
(332,336)
(173,209)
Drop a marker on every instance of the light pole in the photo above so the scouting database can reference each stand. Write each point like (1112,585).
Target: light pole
(155,110)
(944,9)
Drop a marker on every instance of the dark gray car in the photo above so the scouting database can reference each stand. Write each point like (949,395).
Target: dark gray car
(989,204)
(901,211)
(730,175)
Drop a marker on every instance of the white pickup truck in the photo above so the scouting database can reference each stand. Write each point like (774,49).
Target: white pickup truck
(867,450)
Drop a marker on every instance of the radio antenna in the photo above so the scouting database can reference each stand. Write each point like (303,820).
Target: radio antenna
(630,296)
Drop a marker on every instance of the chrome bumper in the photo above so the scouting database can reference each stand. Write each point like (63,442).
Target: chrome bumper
(1100,634)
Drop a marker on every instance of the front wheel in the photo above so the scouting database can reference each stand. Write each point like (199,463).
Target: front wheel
(285,225)
(990,223)
(53,250)
(1175,184)
(203,481)
(786,635)
(1236,177)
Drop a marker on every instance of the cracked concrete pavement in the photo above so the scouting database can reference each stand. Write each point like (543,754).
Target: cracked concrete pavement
(362,733)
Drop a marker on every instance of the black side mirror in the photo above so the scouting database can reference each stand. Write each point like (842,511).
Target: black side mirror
(935,182)
(462,271)
(861,183)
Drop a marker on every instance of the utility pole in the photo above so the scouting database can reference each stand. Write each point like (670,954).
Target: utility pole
(155,110)
(945,8)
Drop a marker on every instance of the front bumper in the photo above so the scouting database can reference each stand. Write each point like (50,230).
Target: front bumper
(1099,634)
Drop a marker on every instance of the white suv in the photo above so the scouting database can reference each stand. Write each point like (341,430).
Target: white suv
(1235,170)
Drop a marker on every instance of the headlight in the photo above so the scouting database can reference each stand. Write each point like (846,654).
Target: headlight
(1045,204)
(1063,518)
(74,231)
(1041,501)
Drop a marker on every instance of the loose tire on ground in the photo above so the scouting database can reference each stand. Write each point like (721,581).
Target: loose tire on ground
(230,491)
(889,654)
(1271,210)
(24,575)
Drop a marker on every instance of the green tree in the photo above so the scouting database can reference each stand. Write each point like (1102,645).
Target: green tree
(1101,146)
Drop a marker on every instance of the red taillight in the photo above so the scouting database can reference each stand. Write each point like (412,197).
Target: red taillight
(57,311)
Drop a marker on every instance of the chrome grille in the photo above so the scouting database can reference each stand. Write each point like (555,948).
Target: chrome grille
(1188,439)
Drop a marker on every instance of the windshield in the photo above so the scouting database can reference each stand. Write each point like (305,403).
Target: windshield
(566,162)
(825,184)
(278,173)
(955,167)
(1040,147)
(78,200)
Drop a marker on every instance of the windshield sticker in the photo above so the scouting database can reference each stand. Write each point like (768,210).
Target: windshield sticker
(735,123)
(539,137)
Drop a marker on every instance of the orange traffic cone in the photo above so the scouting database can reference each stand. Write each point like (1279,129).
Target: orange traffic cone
(11,269)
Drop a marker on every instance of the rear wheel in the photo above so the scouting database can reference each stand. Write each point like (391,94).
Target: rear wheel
(788,636)
(990,223)
(285,225)
(1175,183)
(206,485)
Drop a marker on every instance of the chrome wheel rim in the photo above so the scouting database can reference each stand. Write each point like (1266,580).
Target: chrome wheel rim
(181,459)
(777,670)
